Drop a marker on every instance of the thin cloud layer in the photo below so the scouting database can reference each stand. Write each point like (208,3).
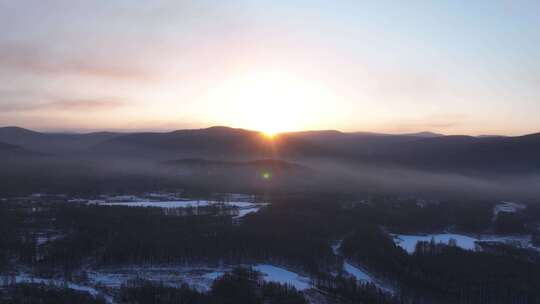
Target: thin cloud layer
(395,70)
(32,59)
(66,105)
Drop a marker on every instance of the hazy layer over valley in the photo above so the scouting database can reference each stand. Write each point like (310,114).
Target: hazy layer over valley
(236,159)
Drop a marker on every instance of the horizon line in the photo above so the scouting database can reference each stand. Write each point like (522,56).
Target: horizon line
(82,131)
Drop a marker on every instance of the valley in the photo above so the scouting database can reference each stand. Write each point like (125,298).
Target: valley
(194,242)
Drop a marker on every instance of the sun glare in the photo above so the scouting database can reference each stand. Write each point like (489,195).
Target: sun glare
(271,102)
(268,134)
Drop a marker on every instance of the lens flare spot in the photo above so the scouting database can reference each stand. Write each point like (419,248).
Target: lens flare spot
(266,175)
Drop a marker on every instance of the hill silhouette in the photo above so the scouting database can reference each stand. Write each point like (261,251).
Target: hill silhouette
(426,151)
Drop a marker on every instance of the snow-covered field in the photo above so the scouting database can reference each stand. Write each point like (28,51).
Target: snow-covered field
(198,278)
(244,203)
(244,207)
(26,278)
(408,242)
(103,282)
(159,204)
(283,276)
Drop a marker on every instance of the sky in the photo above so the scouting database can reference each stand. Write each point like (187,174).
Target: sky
(454,67)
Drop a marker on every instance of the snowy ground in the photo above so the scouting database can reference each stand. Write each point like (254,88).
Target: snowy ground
(408,242)
(198,278)
(246,211)
(509,207)
(283,276)
(244,203)
(105,281)
(358,273)
(26,278)
(159,204)
(244,207)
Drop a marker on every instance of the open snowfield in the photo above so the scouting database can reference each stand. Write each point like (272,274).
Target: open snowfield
(283,276)
(198,278)
(26,278)
(408,242)
(158,204)
(103,282)
(245,208)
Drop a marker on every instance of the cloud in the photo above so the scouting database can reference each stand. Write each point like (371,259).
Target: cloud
(25,57)
(67,105)
(76,105)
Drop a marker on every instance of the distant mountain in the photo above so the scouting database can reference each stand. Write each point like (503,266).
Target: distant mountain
(425,150)
(489,136)
(431,151)
(425,134)
(358,143)
(463,154)
(51,142)
(515,154)
(215,143)
(334,133)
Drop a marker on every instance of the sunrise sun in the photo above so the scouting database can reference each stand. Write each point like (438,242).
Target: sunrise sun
(271,102)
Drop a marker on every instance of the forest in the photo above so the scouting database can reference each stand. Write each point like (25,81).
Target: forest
(63,240)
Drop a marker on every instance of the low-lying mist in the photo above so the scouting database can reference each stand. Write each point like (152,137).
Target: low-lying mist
(85,175)
(395,180)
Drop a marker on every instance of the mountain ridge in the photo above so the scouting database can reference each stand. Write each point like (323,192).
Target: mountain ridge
(429,151)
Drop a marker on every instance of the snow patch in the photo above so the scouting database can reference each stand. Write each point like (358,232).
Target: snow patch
(508,207)
(166,205)
(245,208)
(25,278)
(244,212)
(357,273)
(408,242)
(282,276)
(198,278)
